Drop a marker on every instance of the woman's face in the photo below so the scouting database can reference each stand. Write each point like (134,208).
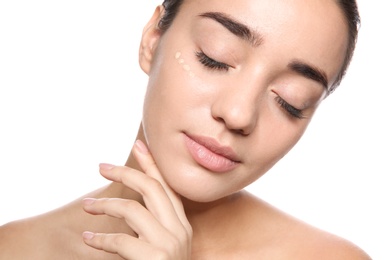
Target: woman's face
(233,85)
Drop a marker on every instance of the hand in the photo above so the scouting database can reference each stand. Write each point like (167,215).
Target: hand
(162,226)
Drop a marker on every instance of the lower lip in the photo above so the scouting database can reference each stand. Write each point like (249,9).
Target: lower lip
(208,159)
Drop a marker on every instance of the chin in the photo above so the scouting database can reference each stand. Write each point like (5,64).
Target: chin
(188,178)
(201,185)
(201,197)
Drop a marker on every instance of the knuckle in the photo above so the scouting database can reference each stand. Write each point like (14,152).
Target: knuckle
(100,240)
(162,255)
(152,186)
(129,207)
(185,234)
(122,171)
(108,200)
(182,236)
(119,240)
(175,245)
(131,204)
(188,230)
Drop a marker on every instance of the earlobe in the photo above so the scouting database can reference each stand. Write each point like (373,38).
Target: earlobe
(150,37)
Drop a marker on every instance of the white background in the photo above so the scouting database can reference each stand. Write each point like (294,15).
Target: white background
(71,97)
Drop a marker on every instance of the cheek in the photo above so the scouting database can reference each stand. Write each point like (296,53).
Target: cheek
(172,94)
(175,84)
(273,139)
(172,72)
(186,67)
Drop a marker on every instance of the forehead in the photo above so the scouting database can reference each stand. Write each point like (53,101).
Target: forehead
(313,30)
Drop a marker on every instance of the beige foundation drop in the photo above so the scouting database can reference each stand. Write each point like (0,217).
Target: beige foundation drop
(185,66)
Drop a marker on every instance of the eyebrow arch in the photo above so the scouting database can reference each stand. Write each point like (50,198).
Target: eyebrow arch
(239,29)
(309,72)
(255,39)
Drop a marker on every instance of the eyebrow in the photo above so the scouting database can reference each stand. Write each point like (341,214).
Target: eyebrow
(255,39)
(309,72)
(239,29)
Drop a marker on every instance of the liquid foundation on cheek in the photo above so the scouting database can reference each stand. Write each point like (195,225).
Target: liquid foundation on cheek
(185,66)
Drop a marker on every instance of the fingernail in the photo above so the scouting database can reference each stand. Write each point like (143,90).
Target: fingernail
(141,147)
(88,235)
(106,166)
(88,201)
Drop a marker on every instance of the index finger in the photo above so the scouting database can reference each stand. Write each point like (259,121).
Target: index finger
(148,165)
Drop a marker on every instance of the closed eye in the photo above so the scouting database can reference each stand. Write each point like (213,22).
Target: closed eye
(293,111)
(211,63)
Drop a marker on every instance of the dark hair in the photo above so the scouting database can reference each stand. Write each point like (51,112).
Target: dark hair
(351,12)
(171,8)
(349,8)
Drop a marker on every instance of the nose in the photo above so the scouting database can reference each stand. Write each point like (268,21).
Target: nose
(237,108)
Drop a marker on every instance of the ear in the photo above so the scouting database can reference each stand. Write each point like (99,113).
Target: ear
(150,38)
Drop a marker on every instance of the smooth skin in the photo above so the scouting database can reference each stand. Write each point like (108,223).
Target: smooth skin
(163,204)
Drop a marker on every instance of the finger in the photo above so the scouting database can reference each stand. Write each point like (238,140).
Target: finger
(154,195)
(136,216)
(124,245)
(149,166)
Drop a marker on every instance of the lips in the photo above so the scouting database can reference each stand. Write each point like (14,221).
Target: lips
(208,153)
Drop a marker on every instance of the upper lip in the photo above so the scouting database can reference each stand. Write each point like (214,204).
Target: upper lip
(214,146)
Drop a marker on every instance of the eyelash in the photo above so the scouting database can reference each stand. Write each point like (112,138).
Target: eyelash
(295,112)
(211,63)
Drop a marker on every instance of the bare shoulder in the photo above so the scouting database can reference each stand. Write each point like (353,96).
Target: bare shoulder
(55,233)
(287,237)
(16,236)
(329,246)
(38,237)
(319,244)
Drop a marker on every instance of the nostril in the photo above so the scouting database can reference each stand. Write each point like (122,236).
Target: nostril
(238,119)
(220,119)
(232,128)
(240,132)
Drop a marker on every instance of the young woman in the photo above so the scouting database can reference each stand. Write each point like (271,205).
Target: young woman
(232,87)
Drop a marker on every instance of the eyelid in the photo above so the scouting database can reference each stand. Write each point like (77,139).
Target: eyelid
(290,109)
(210,62)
